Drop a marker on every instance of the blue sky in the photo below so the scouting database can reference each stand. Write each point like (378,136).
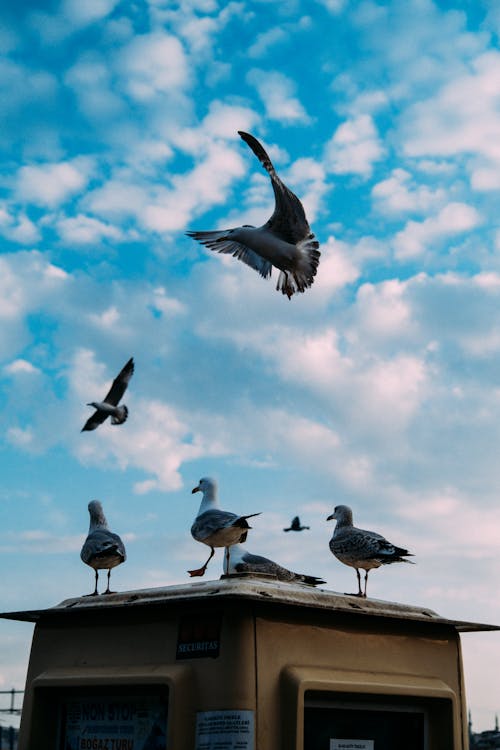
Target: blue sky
(378,388)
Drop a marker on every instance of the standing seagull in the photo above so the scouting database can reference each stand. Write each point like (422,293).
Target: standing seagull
(242,561)
(296,525)
(109,407)
(361,549)
(102,549)
(285,241)
(215,527)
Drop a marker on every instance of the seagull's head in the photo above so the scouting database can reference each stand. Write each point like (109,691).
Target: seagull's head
(93,403)
(96,512)
(341,513)
(207,486)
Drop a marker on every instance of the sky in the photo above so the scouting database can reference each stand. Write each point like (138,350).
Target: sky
(378,388)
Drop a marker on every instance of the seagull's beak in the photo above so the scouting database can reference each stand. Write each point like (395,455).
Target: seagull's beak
(331,518)
(195,489)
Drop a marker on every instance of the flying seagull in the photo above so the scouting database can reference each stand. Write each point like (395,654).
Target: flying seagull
(285,241)
(361,549)
(242,561)
(102,549)
(215,527)
(109,406)
(296,525)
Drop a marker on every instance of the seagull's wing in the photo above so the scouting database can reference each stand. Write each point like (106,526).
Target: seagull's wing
(211,521)
(289,218)
(101,543)
(221,242)
(120,383)
(97,418)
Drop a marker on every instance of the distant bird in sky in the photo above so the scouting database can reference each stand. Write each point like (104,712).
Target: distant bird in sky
(285,241)
(215,527)
(109,406)
(361,549)
(296,525)
(243,561)
(102,549)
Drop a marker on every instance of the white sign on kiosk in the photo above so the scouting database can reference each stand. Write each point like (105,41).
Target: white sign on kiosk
(352,745)
(224,730)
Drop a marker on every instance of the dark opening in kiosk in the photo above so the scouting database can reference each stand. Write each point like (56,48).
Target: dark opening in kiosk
(244,663)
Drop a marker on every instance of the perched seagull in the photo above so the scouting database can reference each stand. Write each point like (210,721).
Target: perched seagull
(242,561)
(296,525)
(285,241)
(215,527)
(102,549)
(361,549)
(109,407)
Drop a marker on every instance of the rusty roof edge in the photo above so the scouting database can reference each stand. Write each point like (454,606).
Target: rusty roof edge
(262,588)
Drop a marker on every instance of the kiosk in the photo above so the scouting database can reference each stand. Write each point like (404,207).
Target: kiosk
(244,663)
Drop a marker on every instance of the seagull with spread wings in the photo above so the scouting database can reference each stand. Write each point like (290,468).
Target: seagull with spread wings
(109,407)
(285,241)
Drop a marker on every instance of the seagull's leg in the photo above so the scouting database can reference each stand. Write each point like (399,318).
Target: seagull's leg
(107,590)
(201,571)
(95,592)
(360,593)
(227,561)
(366,581)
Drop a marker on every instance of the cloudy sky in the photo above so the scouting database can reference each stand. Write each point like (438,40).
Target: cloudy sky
(378,388)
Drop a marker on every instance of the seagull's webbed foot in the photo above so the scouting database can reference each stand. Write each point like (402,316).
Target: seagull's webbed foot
(359,594)
(198,571)
(108,592)
(93,593)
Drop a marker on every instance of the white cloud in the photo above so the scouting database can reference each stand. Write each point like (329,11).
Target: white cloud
(86,230)
(416,237)
(20,366)
(354,147)
(91,11)
(398,194)
(152,65)
(277,94)
(266,40)
(21,437)
(463,117)
(52,184)
(17,227)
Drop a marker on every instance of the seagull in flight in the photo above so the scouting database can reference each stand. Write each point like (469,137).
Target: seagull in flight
(215,527)
(361,549)
(285,241)
(109,406)
(242,561)
(102,549)
(296,525)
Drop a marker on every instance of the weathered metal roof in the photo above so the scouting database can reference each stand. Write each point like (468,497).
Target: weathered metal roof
(249,587)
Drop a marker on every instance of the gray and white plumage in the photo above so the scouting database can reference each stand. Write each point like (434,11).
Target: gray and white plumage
(296,525)
(102,549)
(242,561)
(285,241)
(361,549)
(213,526)
(109,407)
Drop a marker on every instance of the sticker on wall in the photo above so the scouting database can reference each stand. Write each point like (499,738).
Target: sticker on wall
(352,745)
(224,730)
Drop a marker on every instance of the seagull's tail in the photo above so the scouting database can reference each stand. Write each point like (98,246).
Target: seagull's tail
(242,523)
(398,554)
(301,275)
(121,416)
(310,580)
